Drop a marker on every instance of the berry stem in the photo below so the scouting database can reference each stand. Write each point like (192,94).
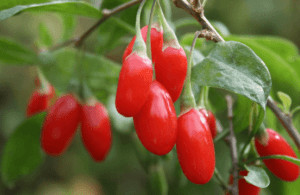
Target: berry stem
(139,45)
(203,100)
(149,31)
(188,99)
(43,81)
(148,44)
(169,34)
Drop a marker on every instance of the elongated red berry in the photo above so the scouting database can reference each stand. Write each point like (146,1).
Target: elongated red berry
(156,42)
(95,130)
(195,148)
(170,70)
(134,84)
(211,120)
(156,123)
(244,187)
(60,125)
(39,101)
(273,143)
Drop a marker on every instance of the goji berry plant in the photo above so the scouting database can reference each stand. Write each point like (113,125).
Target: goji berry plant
(151,98)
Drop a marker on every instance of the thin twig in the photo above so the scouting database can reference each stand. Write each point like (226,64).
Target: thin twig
(286,121)
(106,14)
(198,14)
(233,148)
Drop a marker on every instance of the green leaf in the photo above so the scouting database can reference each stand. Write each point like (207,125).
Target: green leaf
(5,4)
(22,152)
(45,38)
(67,7)
(281,58)
(12,52)
(286,101)
(101,73)
(257,176)
(235,67)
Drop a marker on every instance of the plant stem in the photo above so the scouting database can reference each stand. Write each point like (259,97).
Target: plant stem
(198,14)
(233,148)
(203,100)
(139,44)
(149,32)
(188,100)
(169,34)
(286,122)
(106,14)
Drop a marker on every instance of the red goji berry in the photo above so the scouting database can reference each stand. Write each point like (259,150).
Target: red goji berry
(60,125)
(273,143)
(95,130)
(195,148)
(156,123)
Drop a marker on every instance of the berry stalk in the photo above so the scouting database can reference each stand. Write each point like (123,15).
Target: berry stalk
(188,99)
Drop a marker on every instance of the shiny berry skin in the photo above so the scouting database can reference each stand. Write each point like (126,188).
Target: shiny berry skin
(60,125)
(195,148)
(170,70)
(39,101)
(95,130)
(156,42)
(277,145)
(211,120)
(134,84)
(156,123)
(244,187)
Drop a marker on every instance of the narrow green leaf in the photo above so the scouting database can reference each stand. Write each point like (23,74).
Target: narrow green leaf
(69,24)
(45,38)
(22,152)
(12,52)
(67,7)
(282,157)
(286,101)
(5,4)
(257,176)
(295,110)
(235,67)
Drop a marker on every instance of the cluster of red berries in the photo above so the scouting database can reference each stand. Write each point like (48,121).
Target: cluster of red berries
(151,104)
(63,118)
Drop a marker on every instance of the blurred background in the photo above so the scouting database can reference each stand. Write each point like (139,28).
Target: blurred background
(121,173)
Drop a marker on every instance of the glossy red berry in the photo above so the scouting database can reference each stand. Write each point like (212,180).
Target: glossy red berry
(95,130)
(156,42)
(195,148)
(275,144)
(244,187)
(170,70)
(60,125)
(134,84)
(211,120)
(156,123)
(39,101)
